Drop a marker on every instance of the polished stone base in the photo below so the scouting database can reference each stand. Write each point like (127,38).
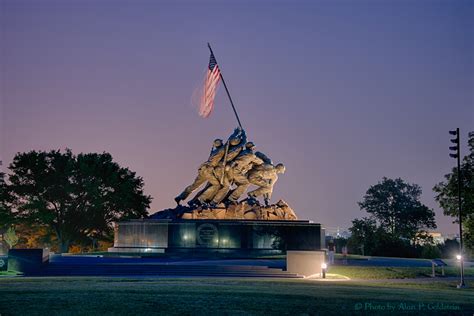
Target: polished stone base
(306,263)
(27,260)
(246,237)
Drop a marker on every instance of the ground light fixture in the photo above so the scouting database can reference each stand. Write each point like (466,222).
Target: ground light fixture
(324,268)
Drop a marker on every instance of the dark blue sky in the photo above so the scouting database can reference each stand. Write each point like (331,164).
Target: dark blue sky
(342,92)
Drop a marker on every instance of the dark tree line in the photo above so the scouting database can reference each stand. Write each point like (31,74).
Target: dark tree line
(396,220)
(75,198)
(397,208)
(447,193)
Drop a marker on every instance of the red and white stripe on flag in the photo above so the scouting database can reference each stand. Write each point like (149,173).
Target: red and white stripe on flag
(209,93)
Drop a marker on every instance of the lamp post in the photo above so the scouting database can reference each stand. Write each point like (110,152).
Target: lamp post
(457,154)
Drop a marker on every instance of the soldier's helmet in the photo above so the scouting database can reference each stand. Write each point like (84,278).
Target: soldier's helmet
(234,141)
(280,168)
(217,142)
(249,145)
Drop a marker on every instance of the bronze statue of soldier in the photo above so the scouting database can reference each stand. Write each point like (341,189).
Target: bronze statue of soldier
(236,144)
(237,174)
(209,171)
(264,176)
(233,163)
(206,173)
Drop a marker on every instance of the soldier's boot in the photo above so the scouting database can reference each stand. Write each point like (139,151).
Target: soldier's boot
(254,202)
(229,203)
(212,205)
(266,199)
(194,203)
(180,197)
(251,200)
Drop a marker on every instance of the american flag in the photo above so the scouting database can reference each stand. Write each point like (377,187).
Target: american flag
(210,87)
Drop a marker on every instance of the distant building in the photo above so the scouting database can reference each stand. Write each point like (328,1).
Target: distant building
(439,238)
(337,232)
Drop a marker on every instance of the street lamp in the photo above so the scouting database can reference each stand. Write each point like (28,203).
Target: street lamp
(457,155)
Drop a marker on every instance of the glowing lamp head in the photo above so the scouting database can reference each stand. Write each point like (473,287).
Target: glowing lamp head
(324,265)
(458,257)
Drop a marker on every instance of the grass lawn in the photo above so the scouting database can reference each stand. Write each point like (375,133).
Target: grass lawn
(356,272)
(199,296)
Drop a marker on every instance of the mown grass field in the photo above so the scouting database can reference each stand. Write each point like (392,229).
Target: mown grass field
(208,296)
(370,273)
(356,272)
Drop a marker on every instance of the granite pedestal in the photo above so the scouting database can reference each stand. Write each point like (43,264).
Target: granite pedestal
(246,237)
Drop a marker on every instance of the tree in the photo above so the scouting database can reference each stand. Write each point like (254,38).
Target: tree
(450,248)
(6,216)
(447,193)
(396,206)
(430,252)
(363,236)
(36,236)
(75,196)
(10,237)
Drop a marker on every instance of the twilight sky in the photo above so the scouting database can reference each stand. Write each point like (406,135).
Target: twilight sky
(342,92)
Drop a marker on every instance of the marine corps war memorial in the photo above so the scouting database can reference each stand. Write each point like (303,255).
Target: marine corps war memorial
(226,212)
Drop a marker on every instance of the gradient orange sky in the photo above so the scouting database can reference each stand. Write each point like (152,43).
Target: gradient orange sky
(343,93)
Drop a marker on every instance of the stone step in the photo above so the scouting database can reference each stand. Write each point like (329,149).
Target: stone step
(156,269)
(160,266)
(190,274)
(163,269)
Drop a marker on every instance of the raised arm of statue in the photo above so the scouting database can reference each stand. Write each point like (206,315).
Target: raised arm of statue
(236,133)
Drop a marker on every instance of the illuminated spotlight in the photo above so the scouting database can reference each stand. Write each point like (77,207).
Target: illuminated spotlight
(458,257)
(324,267)
(185,237)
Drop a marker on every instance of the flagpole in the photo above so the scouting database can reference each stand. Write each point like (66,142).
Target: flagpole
(226,90)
